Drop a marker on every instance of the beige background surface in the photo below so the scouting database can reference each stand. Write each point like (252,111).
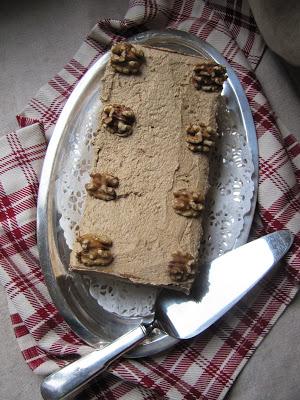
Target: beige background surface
(279,23)
(36,39)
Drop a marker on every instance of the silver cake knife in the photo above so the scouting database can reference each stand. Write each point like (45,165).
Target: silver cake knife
(228,279)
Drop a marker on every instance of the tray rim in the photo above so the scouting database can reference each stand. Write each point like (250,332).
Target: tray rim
(50,261)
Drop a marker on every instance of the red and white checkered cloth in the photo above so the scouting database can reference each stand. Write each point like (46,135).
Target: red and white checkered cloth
(206,366)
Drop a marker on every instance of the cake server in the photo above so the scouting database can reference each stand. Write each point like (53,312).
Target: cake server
(228,279)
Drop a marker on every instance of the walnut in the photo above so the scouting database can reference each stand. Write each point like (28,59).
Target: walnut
(209,77)
(95,250)
(102,186)
(118,119)
(200,138)
(188,204)
(126,58)
(181,267)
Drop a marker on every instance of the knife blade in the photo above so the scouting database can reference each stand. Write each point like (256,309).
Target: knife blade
(230,277)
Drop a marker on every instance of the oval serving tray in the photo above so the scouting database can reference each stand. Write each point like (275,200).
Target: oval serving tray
(81,311)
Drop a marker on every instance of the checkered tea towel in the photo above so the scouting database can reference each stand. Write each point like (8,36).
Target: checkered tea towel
(201,368)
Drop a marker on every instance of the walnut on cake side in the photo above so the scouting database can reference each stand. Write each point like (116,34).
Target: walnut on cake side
(150,176)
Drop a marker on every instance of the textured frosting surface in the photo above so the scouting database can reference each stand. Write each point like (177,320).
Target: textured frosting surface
(151,164)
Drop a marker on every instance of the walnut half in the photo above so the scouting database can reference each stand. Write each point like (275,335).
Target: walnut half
(118,119)
(181,267)
(188,204)
(200,138)
(95,250)
(209,77)
(102,186)
(126,58)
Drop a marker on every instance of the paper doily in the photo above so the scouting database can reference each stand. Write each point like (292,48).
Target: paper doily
(229,197)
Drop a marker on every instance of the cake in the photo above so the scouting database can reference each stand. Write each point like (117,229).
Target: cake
(142,218)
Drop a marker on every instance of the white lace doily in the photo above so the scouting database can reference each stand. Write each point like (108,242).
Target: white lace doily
(231,190)
(229,199)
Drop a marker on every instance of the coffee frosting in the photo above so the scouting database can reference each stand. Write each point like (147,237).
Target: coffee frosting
(151,164)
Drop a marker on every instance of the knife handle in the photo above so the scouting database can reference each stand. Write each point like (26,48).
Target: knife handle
(70,380)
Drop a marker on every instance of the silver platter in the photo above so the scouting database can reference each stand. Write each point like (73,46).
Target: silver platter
(86,318)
